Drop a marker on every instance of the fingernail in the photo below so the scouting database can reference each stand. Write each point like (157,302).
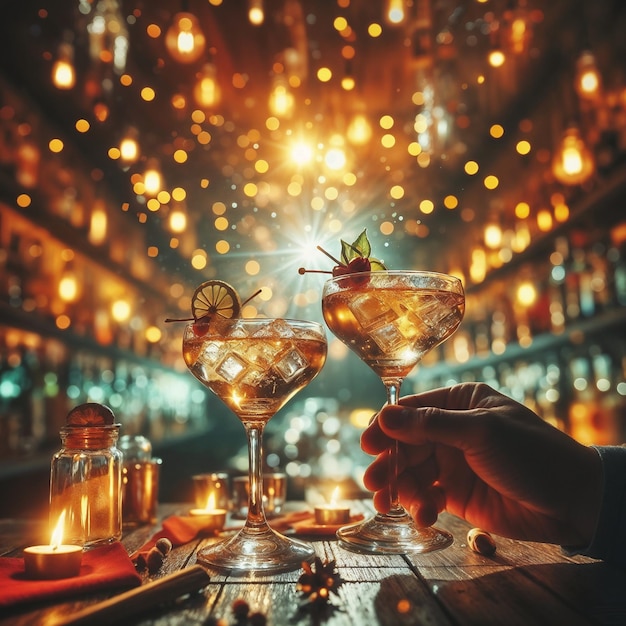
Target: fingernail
(395,418)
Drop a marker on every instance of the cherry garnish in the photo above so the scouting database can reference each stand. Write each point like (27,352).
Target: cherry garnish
(358,265)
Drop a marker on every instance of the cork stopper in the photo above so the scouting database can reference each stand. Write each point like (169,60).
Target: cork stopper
(90,414)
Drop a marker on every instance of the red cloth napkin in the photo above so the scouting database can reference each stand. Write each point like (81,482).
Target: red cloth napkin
(107,567)
(178,529)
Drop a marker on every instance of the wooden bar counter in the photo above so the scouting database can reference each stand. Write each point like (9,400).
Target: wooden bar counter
(522,583)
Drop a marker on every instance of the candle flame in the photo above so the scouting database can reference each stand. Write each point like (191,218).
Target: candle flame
(334,498)
(57,534)
(210,503)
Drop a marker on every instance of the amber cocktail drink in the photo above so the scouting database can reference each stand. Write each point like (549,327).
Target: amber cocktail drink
(391,319)
(255,366)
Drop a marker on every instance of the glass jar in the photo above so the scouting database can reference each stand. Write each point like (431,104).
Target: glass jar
(86,478)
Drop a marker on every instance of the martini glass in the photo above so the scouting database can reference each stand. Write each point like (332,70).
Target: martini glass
(391,319)
(255,366)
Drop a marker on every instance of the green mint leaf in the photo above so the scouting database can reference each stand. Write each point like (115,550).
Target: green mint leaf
(347,253)
(360,247)
(362,244)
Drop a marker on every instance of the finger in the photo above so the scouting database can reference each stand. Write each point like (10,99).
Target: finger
(374,440)
(376,476)
(417,425)
(418,478)
(461,396)
(411,462)
(381,500)
(425,507)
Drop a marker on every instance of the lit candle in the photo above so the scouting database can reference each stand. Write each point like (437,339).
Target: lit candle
(333,512)
(212,517)
(55,560)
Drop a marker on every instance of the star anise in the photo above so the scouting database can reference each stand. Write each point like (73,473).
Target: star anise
(319,581)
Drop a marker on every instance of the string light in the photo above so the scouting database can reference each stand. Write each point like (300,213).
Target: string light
(573,163)
(63,74)
(256,12)
(184,39)
(207,92)
(587,82)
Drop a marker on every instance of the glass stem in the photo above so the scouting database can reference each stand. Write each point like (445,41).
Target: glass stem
(393,394)
(256,515)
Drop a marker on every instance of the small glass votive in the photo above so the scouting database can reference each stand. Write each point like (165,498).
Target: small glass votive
(140,491)
(274,494)
(211,490)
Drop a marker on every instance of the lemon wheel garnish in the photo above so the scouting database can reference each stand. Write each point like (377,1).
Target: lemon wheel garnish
(215,297)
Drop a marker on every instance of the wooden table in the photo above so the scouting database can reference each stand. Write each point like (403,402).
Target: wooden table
(523,583)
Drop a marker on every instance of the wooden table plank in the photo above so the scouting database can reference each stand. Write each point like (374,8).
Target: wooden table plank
(523,583)
(366,603)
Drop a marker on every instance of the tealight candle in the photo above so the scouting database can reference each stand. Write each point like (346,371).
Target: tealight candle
(332,513)
(55,560)
(214,519)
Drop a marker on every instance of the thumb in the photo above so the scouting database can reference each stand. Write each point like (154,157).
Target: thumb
(417,425)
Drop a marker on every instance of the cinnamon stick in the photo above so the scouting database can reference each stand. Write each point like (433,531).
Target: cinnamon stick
(140,599)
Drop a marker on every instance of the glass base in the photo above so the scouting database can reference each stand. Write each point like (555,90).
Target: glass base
(256,550)
(392,534)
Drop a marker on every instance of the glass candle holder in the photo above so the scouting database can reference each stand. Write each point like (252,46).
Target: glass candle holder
(274,494)
(211,489)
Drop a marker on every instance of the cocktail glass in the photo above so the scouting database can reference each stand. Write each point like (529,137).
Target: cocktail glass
(255,366)
(391,319)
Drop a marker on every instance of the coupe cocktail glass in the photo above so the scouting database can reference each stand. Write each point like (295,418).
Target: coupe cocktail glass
(255,366)
(391,319)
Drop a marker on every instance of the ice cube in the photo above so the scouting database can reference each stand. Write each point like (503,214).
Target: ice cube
(260,353)
(253,376)
(264,329)
(231,368)
(237,331)
(370,311)
(210,353)
(432,310)
(290,364)
(278,328)
(387,337)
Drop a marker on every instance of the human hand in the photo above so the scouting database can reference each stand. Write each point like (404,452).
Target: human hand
(480,455)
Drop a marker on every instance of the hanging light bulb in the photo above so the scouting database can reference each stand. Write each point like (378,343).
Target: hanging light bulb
(256,12)
(587,82)
(129,146)
(359,130)
(98,223)
(184,39)
(68,285)
(493,235)
(573,162)
(206,91)
(395,11)
(178,220)
(152,178)
(63,74)
(281,99)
